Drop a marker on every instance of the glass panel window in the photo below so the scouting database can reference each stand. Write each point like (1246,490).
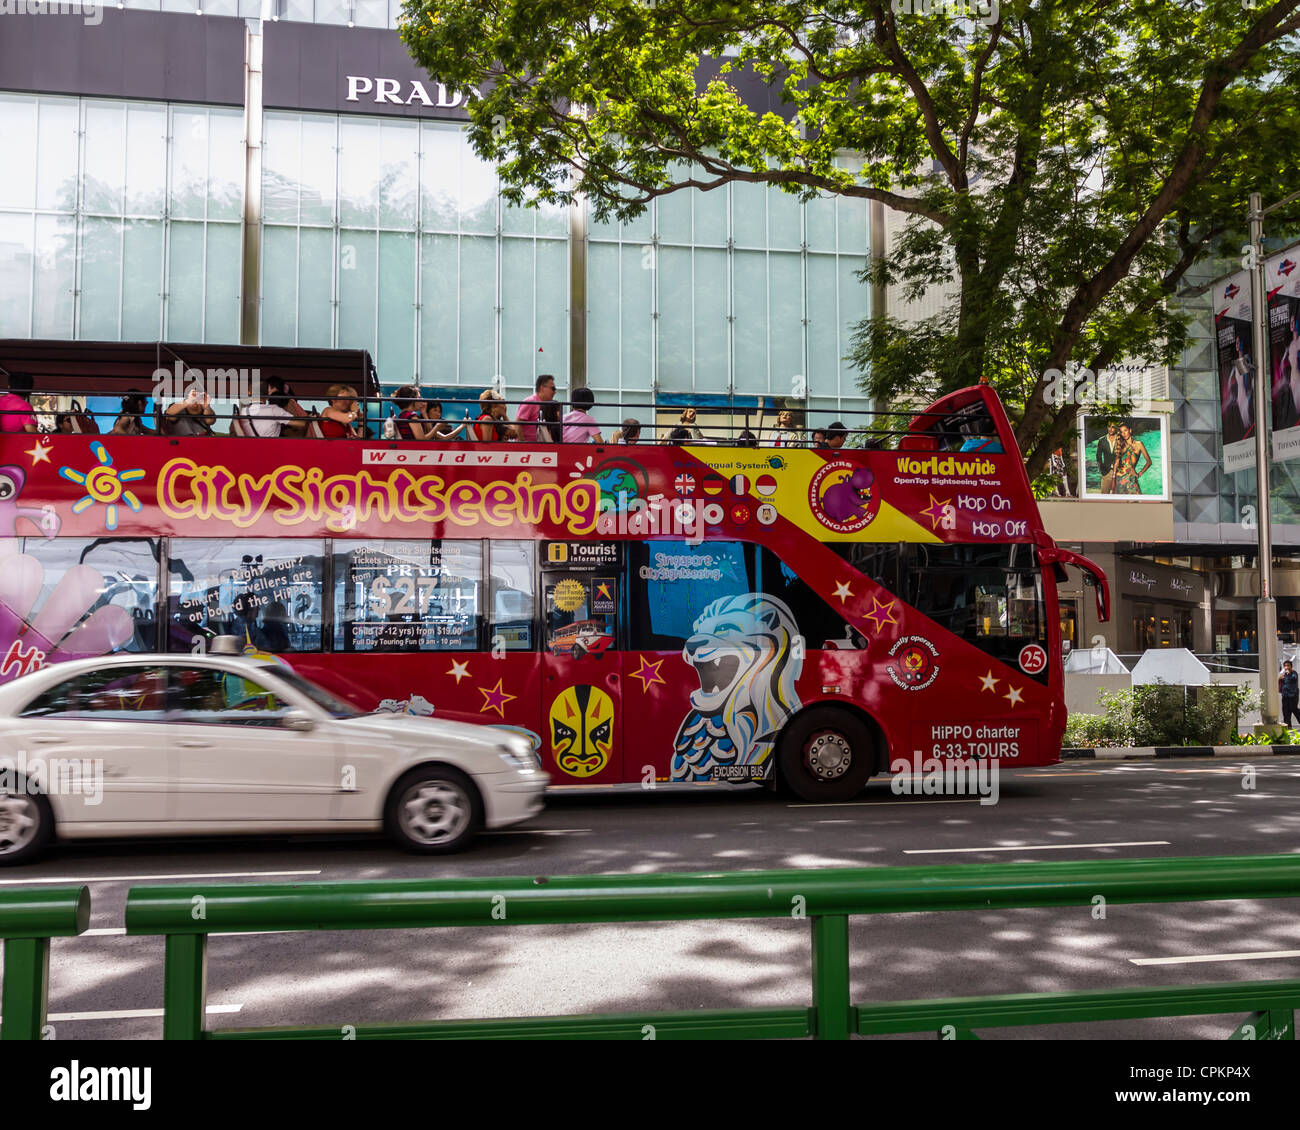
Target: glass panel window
(512,594)
(111,694)
(268,593)
(399,595)
(990,595)
(95,596)
(212,697)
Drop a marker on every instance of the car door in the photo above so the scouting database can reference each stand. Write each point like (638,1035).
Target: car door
(238,760)
(103,737)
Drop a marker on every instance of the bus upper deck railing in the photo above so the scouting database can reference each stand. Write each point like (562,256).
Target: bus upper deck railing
(469,419)
(826,898)
(29,918)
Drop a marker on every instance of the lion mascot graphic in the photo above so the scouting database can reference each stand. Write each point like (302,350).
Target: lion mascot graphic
(743,649)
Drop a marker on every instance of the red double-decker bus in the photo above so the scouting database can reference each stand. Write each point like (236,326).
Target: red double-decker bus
(644,613)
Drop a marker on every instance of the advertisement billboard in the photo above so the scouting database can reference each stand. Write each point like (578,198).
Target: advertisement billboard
(1124,457)
(1232,331)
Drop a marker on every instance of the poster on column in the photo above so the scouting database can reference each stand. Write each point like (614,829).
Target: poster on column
(1282,284)
(1232,332)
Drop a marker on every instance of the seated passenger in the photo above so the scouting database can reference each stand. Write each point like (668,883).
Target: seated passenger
(278,412)
(493,421)
(747,439)
(984,439)
(630,432)
(579,425)
(15,406)
(131,422)
(785,435)
(836,434)
(192,416)
(678,435)
(339,420)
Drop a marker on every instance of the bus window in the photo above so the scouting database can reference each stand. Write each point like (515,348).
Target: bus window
(990,595)
(581,613)
(127,569)
(405,595)
(268,593)
(512,594)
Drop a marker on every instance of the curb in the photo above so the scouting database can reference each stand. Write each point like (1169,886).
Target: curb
(1161,752)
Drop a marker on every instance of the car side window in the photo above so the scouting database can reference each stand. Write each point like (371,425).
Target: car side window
(111,694)
(207,696)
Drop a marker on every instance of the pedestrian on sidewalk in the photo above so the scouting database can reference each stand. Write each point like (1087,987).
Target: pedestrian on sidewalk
(1288,685)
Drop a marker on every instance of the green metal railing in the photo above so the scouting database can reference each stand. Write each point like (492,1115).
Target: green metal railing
(28,920)
(826,898)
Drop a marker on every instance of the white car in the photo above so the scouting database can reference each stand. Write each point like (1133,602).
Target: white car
(141,745)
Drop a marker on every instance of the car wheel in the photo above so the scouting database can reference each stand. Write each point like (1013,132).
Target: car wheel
(26,825)
(433,809)
(826,755)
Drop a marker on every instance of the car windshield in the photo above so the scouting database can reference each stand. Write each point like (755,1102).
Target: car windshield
(335,707)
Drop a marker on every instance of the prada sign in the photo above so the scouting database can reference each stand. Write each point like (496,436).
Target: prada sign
(398,92)
(1156,582)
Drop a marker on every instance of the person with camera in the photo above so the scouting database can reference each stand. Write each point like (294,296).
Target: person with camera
(192,416)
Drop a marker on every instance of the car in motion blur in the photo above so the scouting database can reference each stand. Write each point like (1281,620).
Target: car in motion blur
(164,745)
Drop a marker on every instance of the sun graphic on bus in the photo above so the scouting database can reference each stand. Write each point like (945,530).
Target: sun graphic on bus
(104,484)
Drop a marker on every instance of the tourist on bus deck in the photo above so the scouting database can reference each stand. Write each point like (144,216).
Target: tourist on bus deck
(438,428)
(836,434)
(747,439)
(630,432)
(530,410)
(63,424)
(278,412)
(984,440)
(339,420)
(678,435)
(15,405)
(819,438)
(493,421)
(192,416)
(130,422)
(579,426)
(785,435)
(688,422)
(418,418)
(550,428)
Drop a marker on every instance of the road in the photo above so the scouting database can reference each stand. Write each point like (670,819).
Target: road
(108,986)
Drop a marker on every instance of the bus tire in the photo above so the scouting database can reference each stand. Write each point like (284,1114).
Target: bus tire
(433,810)
(826,754)
(26,825)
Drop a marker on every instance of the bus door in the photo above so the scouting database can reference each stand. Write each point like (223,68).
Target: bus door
(582,693)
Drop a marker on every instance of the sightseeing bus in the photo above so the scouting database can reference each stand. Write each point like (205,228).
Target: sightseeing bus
(643,613)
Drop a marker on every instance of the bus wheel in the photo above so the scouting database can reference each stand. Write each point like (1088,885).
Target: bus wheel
(26,825)
(432,810)
(826,754)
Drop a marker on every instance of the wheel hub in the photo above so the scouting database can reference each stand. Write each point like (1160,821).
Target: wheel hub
(434,811)
(17,822)
(828,755)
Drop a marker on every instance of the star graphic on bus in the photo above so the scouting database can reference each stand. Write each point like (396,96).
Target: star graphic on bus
(495,699)
(989,683)
(882,612)
(40,453)
(459,670)
(843,591)
(937,511)
(104,484)
(649,673)
(1013,695)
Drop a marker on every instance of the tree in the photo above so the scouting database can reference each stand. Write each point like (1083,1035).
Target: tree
(1064,164)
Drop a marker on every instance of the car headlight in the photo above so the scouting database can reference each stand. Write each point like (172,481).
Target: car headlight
(520,757)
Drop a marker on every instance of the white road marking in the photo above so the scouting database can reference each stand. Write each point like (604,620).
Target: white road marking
(1263,955)
(877,803)
(141,878)
(1035,847)
(131,1013)
(537,832)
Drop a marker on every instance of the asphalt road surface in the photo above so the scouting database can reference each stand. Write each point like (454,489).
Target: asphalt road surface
(107,986)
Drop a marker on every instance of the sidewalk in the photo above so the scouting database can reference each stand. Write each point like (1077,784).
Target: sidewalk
(1156,752)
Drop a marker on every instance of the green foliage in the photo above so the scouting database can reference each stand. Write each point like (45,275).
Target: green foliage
(1063,166)
(1286,737)
(1161,715)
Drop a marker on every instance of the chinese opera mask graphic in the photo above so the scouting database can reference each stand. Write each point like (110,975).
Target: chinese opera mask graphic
(582,730)
(743,650)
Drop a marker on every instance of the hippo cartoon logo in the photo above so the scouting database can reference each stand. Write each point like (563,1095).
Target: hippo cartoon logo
(842,496)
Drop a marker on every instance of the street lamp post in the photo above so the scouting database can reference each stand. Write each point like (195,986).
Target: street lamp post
(1266,609)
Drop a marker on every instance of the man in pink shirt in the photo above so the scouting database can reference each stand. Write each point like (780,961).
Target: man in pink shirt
(15,409)
(579,427)
(530,409)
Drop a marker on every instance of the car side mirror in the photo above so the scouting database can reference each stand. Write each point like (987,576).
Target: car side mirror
(298,720)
